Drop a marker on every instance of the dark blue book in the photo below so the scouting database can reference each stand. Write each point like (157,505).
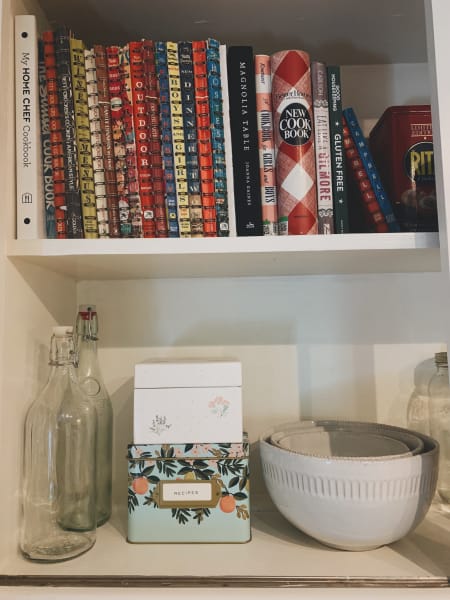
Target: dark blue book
(371,170)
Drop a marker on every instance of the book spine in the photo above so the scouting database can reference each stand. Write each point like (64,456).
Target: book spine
(356,169)
(46,148)
(263,79)
(83,139)
(179,152)
(217,137)
(203,122)
(72,183)
(30,215)
(98,165)
(154,140)
(190,137)
(56,134)
(104,106)
(367,160)
(294,142)
(141,133)
(227,140)
(120,155)
(339,178)
(166,139)
(322,148)
(244,135)
(132,177)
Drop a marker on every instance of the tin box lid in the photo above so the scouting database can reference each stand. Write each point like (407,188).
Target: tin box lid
(188,373)
(404,109)
(189,451)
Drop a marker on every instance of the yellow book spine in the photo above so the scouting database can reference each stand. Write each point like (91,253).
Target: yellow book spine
(179,150)
(83,139)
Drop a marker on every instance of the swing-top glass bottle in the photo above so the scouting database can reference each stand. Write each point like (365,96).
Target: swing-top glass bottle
(59,514)
(91,382)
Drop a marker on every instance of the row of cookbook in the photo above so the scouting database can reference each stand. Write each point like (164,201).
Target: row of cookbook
(185,139)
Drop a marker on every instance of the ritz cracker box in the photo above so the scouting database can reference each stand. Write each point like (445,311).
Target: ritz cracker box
(184,485)
(401,144)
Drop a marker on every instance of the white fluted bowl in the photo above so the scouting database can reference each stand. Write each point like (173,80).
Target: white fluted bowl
(351,503)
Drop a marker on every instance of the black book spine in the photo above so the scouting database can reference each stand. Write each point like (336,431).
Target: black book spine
(67,109)
(338,166)
(244,140)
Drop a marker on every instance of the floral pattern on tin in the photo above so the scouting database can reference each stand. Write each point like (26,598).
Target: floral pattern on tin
(221,464)
(159,425)
(219,406)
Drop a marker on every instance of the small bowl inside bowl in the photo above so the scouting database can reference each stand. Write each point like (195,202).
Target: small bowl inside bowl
(342,444)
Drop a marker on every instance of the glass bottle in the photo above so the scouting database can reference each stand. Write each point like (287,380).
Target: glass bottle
(418,410)
(59,462)
(439,393)
(91,381)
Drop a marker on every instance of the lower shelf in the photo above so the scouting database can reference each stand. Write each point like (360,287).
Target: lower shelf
(277,556)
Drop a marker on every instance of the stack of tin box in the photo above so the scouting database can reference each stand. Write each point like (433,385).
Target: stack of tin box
(188,471)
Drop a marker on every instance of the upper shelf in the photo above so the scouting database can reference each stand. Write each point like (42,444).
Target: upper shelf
(232,257)
(346,32)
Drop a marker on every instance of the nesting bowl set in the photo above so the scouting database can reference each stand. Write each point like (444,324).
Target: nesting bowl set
(350,485)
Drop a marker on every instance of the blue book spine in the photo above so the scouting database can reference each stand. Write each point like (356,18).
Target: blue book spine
(217,136)
(369,165)
(166,139)
(47,168)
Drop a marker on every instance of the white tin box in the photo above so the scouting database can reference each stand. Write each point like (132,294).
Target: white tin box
(183,402)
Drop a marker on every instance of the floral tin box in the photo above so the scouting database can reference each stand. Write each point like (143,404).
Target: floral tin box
(189,493)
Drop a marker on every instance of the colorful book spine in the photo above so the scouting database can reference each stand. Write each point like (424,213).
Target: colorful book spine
(203,121)
(339,177)
(217,136)
(373,214)
(46,147)
(154,141)
(266,146)
(83,139)
(190,137)
(366,158)
(56,134)
(120,153)
(179,152)
(322,148)
(166,139)
(67,108)
(140,116)
(294,142)
(98,165)
(29,194)
(104,105)
(244,136)
(133,191)
(227,140)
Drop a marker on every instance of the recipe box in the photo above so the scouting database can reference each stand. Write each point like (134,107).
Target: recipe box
(189,493)
(187,402)
(401,144)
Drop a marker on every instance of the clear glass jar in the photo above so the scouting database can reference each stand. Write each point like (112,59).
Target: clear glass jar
(59,516)
(91,381)
(418,410)
(439,394)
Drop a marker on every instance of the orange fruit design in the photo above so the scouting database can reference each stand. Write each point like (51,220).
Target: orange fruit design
(227,504)
(140,485)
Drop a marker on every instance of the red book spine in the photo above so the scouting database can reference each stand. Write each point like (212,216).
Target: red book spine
(56,139)
(141,122)
(154,139)
(133,190)
(104,104)
(294,142)
(115,93)
(374,215)
(205,155)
